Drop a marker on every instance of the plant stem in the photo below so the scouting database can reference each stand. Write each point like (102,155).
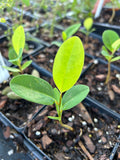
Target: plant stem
(108,74)
(113,15)
(66,126)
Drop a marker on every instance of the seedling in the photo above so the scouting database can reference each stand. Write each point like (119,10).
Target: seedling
(15,53)
(111,42)
(88,23)
(67,33)
(67,68)
(115,3)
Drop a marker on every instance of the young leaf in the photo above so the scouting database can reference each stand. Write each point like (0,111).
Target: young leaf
(109,37)
(55,118)
(33,89)
(74,96)
(64,36)
(26,64)
(18,39)
(88,22)
(18,56)
(57,43)
(68,63)
(105,53)
(26,2)
(12,55)
(11,69)
(115,59)
(116,44)
(71,30)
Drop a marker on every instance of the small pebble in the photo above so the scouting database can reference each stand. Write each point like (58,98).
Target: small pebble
(118,126)
(90,135)
(95,61)
(37,133)
(10,152)
(84,123)
(107,132)
(51,60)
(70,119)
(99,141)
(95,120)
(96,129)
(118,76)
(102,84)
(99,88)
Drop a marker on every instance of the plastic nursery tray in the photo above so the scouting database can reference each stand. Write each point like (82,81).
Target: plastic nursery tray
(8,150)
(101,27)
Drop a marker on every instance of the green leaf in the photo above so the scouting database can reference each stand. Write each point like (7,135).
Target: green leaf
(26,2)
(18,39)
(109,37)
(12,55)
(11,69)
(88,22)
(115,59)
(18,57)
(26,64)
(55,118)
(68,63)
(64,36)
(57,43)
(74,96)
(116,44)
(33,89)
(57,98)
(70,31)
(105,53)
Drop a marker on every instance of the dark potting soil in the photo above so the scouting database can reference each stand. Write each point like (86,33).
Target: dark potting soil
(95,78)
(92,130)
(18,111)
(105,16)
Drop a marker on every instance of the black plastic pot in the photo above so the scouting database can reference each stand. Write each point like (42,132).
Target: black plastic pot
(101,27)
(7,145)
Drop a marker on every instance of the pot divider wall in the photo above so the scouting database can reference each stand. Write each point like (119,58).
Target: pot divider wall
(33,151)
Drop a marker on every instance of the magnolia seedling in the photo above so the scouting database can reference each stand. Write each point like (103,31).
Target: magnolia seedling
(15,53)
(67,67)
(111,42)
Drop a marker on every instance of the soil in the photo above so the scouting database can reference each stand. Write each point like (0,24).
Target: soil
(92,130)
(105,16)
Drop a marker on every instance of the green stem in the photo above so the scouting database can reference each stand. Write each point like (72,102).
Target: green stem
(113,15)
(108,74)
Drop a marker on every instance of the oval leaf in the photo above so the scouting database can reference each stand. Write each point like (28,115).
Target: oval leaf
(68,63)
(33,89)
(26,64)
(109,37)
(74,96)
(71,30)
(88,22)
(18,39)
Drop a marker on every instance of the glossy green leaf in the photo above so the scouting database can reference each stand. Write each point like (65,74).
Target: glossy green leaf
(68,63)
(116,44)
(18,39)
(11,69)
(55,118)
(105,53)
(115,59)
(88,22)
(74,96)
(57,43)
(18,56)
(26,2)
(70,31)
(12,55)
(109,37)
(64,36)
(33,89)
(26,64)
(57,98)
